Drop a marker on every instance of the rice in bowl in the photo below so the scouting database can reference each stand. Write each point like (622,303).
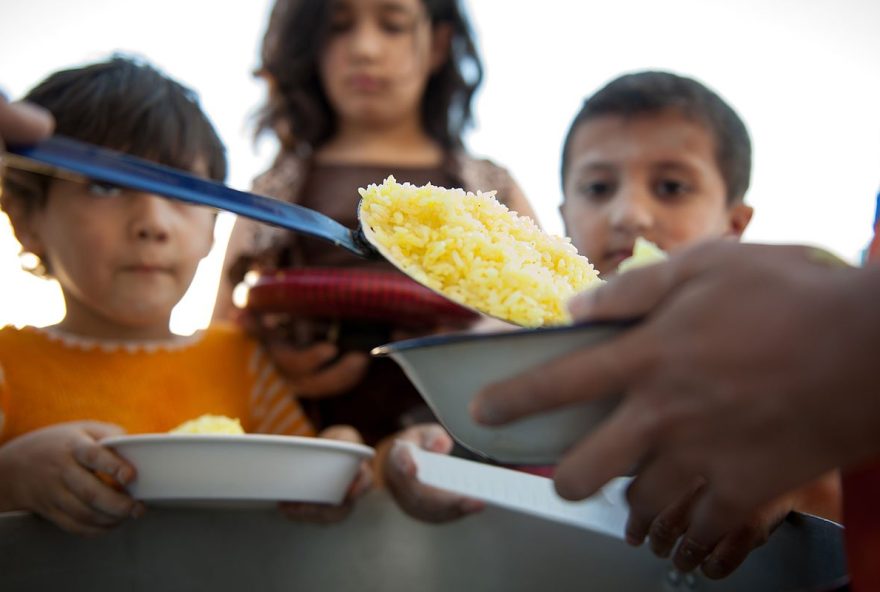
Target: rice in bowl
(475,251)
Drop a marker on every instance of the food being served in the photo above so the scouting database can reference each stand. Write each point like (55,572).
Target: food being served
(473,250)
(210,424)
(644,253)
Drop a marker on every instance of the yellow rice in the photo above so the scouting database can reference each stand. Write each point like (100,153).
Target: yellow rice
(473,250)
(210,424)
(644,253)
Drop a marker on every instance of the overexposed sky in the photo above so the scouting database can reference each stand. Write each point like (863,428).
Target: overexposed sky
(803,74)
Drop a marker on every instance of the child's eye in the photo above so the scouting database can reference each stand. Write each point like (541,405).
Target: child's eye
(596,190)
(101,189)
(397,25)
(671,188)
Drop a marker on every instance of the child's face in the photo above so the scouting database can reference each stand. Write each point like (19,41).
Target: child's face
(378,58)
(653,176)
(123,258)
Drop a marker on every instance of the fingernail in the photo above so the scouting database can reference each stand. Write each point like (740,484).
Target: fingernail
(634,540)
(433,437)
(400,457)
(580,306)
(123,475)
(484,412)
(469,506)
(714,569)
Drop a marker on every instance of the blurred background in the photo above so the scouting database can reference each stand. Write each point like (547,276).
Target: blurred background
(803,74)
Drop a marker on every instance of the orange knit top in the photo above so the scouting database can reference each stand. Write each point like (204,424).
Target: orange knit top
(48,377)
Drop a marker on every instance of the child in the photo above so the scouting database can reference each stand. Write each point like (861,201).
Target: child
(661,156)
(358,90)
(654,155)
(123,260)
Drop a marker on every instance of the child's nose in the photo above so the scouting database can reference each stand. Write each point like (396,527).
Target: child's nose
(631,209)
(365,40)
(151,218)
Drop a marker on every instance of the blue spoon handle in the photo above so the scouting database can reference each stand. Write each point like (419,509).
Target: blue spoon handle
(58,154)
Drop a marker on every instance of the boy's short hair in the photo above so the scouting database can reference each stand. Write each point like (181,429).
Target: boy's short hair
(126,105)
(649,92)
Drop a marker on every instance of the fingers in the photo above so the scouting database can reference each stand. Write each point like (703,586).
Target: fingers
(584,375)
(97,496)
(671,523)
(23,122)
(734,548)
(313,379)
(629,295)
(612,450)
(430,436)
(343,433)
(417,499)
(91,455)
(73,517)
(361,484)
(297,363)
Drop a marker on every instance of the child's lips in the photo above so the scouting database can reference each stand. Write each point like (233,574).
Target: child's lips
(146,268)
(364,83)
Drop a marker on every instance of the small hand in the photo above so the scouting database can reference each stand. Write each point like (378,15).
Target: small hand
(327,513)
(415,498)
(314,372)
(64,474)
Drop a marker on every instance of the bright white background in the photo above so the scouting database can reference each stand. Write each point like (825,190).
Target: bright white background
(804,74)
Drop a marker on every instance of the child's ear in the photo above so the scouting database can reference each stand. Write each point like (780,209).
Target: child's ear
(25,225)
(441,44)
(738,217)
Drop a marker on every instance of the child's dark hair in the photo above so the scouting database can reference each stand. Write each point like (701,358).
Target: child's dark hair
(643,93)
(126,105)
(298,110)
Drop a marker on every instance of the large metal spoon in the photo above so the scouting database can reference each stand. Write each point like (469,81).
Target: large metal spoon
(66,158)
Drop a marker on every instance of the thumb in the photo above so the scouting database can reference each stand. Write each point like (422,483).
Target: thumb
(100,430)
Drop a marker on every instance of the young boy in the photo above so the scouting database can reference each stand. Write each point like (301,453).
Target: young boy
(123,260)
(660,156)
(654,155)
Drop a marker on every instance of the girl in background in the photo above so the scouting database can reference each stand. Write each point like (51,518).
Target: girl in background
(358,90)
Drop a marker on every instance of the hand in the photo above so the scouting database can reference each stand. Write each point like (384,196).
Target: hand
(415,498)
(314,372)
(666,529)
(62,473)
(23,122)
(327,513)
(754,370)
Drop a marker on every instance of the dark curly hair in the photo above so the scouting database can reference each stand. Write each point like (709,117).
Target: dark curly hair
(649,92)
(298,110)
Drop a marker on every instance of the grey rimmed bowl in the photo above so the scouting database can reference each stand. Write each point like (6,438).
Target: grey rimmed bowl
(449,370)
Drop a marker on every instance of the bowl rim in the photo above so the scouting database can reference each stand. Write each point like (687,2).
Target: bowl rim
(517,333)
(239,439)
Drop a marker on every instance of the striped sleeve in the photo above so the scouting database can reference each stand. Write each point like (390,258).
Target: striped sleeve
(272,403)
(4,401)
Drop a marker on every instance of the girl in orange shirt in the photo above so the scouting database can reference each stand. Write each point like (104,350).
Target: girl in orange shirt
(123,260)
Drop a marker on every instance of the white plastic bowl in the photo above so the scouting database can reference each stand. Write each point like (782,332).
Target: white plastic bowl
(449,370)
(251,467)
